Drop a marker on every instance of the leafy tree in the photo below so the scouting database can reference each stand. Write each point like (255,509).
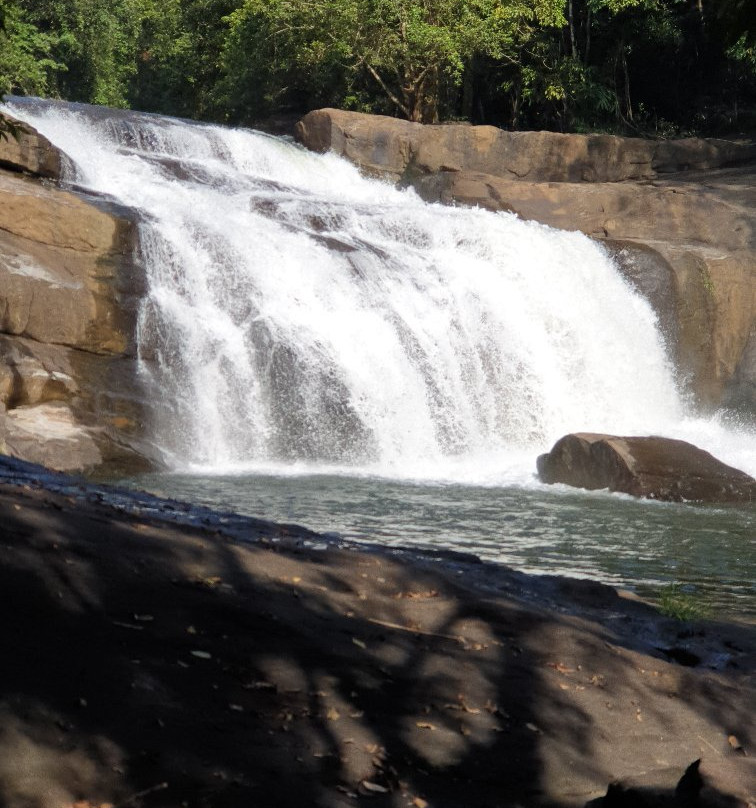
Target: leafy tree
(639,66)
(206,30)
(163,77)
(738,19)
(406,51)
(26,60)
(96,40)
(179,69)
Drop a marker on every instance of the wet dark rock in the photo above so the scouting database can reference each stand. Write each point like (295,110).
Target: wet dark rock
(682,656)
(139,627)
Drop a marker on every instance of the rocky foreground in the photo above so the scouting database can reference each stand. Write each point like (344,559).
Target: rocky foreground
(158,655)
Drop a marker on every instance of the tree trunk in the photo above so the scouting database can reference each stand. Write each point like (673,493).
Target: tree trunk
(626,83)
(468,90)
(587,36)
(571,23)
(415,108)
(413,102)
(421,97)
(404,107)
(430,93)
(516,103)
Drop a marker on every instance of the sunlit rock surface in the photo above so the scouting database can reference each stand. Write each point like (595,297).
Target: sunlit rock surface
(69,292)
(399,149)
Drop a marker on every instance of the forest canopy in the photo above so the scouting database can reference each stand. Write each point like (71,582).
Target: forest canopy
(652,67)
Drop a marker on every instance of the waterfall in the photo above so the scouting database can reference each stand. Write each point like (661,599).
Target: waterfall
(302,316)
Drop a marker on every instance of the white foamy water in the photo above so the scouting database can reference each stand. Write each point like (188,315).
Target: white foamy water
(303,318)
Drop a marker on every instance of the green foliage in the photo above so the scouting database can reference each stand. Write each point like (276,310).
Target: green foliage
(675,602)
(163,77)
(195,69)
(26,60)
(658,67)
(278,53)
(96,40)
(738,21)
(405,52)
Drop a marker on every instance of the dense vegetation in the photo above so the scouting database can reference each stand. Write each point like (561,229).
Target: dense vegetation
(647,66)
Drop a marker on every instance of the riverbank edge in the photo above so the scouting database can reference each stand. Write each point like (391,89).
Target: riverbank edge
(241,661)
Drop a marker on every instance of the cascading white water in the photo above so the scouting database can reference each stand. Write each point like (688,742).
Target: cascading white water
(301,314)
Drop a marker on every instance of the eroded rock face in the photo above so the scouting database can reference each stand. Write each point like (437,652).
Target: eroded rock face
(66,275)
(67,445)
(31,152)
(678,210)
(651,467)
(741,390)
(400,149)
(69,293)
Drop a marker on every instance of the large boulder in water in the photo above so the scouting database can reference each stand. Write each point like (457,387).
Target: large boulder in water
(652,467)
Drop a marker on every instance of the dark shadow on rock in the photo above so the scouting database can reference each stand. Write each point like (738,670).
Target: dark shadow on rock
(137,652)
(690,791)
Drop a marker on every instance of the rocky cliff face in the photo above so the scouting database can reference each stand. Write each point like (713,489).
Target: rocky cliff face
(680,216)
(69,290)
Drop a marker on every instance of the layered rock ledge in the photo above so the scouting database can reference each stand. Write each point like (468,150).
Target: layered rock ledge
(680,217)
(69,292)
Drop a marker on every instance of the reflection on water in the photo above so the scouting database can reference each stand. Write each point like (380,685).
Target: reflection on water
(635,544)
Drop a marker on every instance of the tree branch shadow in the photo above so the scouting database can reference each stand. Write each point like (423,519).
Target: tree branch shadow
(136,653)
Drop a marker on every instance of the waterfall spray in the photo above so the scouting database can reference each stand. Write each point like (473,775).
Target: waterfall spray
(300,313)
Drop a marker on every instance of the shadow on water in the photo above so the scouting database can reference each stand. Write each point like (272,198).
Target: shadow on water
(160,666)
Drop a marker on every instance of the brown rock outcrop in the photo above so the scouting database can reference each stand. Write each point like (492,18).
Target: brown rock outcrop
(650,467)
(69,292)
(677,208)
(65,267)
(30,151)
(400,149)
(741,390)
